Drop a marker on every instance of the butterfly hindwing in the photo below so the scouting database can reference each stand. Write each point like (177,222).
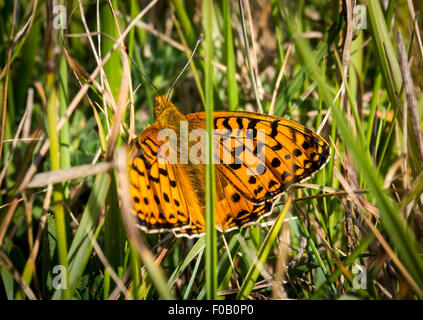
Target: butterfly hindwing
(236,211)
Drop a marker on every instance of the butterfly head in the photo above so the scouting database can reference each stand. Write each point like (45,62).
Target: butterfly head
(162,104)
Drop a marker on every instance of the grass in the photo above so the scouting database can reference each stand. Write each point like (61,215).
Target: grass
(70,97)
(210,185)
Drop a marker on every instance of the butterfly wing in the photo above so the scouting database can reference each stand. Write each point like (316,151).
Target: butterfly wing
(171,196)
(289,153)
(234,211)
(163,195)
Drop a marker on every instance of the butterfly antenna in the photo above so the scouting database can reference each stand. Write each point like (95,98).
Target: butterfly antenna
(200,37)
(140,70)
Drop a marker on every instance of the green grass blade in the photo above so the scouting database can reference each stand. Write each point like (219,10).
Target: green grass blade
(194,273)
(399,233)
(233,100)
(211,245)
(54,152)
(195,250)
(114,235)
(182,15)
(390,69)
(322,291)
(81,246)
(224,263)
(113,67)
(254,271)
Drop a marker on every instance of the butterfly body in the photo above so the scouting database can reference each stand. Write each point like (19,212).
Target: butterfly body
(167,115)
(170,196)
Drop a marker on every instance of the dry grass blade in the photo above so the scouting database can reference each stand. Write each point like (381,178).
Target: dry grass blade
(9,266)
(132,231)
(106,264)
(278,290)
(123,94)
(5,221)
(416,25)
(23,123)
(114,295)
(411,96)
(249,58)
(52,177)
(78,97)
(109,95)
(6,83)
(30,263)
(346,52)
(279,79)
(394,257)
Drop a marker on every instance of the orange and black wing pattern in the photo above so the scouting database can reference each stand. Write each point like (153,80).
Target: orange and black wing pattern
(257,158)
(159,190)
(285,153)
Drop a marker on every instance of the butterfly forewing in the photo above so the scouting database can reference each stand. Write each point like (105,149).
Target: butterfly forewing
(291,153)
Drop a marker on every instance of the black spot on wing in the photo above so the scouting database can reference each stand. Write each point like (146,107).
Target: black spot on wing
(272,183)
(154,179)
(235,166)
(258,148)
(252,123)
(285,175)
(237,151)
(165,197)
(156,198)
(252,180)
(226,124)
(258,190)
(236,197)
(275,162)
(261,168)
(297,152)
(240,124)
(277,147)
(274,125)
(163,172)
(133,167)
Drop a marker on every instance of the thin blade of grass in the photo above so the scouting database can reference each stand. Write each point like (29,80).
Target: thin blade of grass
(230,57)
(211,245)
(81,246)
(195,250)
(394,224)
(390,68)
(254,271)
(54,151)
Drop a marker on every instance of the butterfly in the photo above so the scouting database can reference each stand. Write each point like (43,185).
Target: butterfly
(170,196)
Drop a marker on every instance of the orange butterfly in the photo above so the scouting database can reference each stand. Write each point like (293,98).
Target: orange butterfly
(170,196)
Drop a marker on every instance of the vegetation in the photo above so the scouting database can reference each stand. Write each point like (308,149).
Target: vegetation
(71,99)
